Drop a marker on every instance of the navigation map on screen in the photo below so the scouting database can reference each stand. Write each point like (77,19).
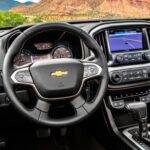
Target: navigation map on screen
(125,40)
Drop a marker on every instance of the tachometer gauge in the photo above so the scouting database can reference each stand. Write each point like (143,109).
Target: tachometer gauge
(61,52)
(24,57)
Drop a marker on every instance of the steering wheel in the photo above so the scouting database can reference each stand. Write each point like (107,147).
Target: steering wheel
(56,79)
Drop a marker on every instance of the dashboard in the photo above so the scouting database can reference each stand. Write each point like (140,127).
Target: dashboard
(126,46)
(125,43)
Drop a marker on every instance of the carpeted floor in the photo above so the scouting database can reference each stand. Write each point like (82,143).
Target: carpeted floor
(75,140)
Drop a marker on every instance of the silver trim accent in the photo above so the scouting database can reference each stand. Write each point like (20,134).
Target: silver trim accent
(67,97)
(129,136)
(82,48)
(114,25)
(17,82)
(110,69)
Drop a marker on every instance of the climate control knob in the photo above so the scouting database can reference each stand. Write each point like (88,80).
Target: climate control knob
(119,58)
(116,77)
(147,56)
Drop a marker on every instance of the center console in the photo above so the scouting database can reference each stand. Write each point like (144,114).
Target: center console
(128,61)
(126,46)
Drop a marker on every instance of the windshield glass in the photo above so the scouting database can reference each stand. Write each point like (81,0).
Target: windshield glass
(17,12)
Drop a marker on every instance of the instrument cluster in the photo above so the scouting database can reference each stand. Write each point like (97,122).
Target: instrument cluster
(43,51)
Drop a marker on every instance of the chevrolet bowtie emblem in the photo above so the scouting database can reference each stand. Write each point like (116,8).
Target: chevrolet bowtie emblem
(59,73)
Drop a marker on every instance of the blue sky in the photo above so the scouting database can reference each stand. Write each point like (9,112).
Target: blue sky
(23,1)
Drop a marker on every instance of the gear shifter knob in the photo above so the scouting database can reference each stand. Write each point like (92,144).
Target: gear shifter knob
(139,110)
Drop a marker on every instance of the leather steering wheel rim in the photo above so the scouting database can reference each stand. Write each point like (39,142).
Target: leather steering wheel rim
(38,114)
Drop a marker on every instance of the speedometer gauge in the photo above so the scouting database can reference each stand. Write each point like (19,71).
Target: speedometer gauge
(62,52)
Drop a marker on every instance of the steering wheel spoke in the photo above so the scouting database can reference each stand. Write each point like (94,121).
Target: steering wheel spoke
(34,113)
(45,118)
(22,76)
(78,102)
(43,106)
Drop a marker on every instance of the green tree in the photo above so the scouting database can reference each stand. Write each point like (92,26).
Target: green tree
(11,19)
(37,19)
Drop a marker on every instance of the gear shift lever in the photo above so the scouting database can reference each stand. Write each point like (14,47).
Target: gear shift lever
(139,110)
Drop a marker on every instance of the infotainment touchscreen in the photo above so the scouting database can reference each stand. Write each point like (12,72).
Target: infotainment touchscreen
(125,40)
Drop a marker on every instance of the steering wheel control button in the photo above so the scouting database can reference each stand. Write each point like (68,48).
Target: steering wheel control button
(23,76)
(90,70)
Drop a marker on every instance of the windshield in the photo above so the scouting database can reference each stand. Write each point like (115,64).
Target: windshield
(17,12)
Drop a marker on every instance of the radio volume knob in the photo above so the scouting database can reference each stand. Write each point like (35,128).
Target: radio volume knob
(116,77)
(147,56)
(119,58)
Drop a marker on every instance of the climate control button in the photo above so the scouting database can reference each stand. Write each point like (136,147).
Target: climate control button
(132,57)
(132,75)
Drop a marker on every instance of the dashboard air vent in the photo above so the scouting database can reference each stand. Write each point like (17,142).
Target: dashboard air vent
(101,40)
